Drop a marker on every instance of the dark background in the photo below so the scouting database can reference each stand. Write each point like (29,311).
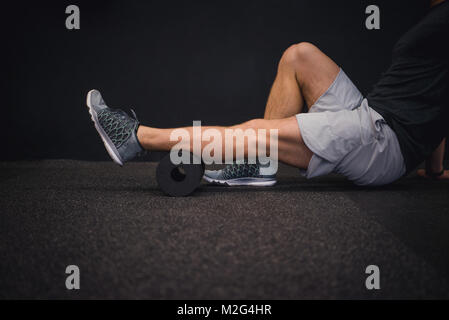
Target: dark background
(175,62)
(172,61)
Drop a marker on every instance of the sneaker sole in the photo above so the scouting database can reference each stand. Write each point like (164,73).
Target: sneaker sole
(110,148)
(255,182)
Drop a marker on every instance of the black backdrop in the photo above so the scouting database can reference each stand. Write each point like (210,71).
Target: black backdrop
(172,61)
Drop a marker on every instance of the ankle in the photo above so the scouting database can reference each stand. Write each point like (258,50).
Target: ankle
(144,136)
(140,135)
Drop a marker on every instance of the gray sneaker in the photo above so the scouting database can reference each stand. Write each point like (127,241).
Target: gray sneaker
(115,127)
(240,175)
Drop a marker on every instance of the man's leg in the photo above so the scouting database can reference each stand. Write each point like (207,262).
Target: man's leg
(291,147)
(124,138)
(304,74)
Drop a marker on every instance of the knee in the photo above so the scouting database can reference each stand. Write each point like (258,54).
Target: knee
(298,53)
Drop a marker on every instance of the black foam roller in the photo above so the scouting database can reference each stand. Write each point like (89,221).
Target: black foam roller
(178,180)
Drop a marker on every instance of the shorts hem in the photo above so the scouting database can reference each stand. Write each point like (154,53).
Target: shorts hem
(333,84)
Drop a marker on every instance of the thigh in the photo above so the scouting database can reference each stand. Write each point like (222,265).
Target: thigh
(315,72)
(291,147)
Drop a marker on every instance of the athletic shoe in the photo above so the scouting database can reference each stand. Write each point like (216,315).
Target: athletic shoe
(115,127)
(240,175)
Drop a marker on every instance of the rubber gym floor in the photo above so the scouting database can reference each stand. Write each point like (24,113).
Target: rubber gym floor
(299,239)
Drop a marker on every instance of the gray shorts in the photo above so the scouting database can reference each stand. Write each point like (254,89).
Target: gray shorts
(349,138)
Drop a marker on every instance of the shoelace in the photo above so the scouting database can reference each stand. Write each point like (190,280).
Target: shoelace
(117,124)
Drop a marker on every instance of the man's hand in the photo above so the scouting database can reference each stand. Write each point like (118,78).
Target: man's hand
(444,176)
(434,165)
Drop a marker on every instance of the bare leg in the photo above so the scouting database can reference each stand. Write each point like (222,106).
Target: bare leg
(291,147)
(304,74)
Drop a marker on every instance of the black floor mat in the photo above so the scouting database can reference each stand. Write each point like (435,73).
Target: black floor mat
(298,239)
